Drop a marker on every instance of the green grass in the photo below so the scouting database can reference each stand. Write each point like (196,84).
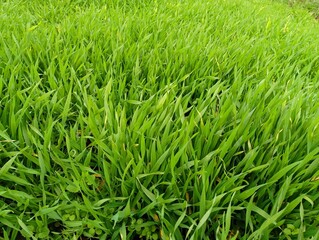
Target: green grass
(311,5)
(158,119)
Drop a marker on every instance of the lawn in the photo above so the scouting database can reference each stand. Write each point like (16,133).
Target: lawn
(137,119)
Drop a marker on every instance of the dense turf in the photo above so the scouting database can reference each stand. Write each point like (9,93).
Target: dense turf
(158,119)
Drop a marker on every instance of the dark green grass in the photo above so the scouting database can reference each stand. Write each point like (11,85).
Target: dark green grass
(311,5)
(159,120)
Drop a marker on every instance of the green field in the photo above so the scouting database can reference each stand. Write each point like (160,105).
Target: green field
(138,119)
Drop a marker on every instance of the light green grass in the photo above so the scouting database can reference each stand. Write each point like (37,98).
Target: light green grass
(160,119)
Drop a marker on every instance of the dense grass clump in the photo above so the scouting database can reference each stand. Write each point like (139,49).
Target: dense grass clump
(158,120)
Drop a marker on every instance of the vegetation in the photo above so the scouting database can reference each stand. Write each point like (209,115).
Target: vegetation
(311,5)
(158,120)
